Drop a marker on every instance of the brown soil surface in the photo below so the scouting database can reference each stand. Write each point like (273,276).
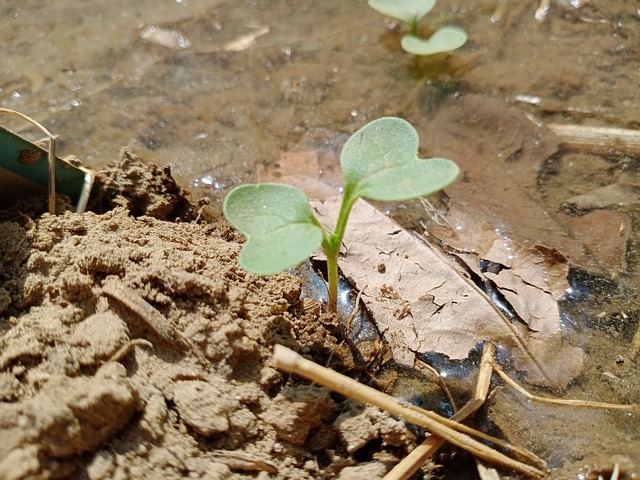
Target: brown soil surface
(202,401)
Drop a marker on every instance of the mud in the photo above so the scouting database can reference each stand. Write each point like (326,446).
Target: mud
(70,410)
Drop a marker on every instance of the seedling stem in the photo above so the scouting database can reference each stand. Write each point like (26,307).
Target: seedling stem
(379,162)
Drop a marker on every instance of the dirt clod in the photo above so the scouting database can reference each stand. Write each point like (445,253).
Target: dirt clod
(295,411)
(135,347)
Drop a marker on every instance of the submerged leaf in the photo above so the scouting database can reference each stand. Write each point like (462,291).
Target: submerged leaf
(508,163)
(280,227)
(380,162)
(445,39)
(409,11)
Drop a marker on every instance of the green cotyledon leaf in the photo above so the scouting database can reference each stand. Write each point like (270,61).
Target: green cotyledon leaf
(380,162)
(444,39)
(279,224)
(406,10)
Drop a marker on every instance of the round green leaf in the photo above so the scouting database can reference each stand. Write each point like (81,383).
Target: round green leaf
(380,162)
(409,11)
(444,39)
(279,224)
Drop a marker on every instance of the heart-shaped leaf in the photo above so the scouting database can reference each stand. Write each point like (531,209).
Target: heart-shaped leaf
(279,224)
(409,11)
(380,162)
(444,39)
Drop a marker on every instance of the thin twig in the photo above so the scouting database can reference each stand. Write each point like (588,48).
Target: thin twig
(123,350)
(561,401)
(412,462)
(290,361)
(433,376)
(354,311)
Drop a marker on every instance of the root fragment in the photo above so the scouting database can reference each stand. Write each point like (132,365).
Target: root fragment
(128,297)
(562,401)
(123,350)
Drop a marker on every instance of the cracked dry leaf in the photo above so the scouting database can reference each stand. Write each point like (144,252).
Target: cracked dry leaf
(532,281)
(423,301)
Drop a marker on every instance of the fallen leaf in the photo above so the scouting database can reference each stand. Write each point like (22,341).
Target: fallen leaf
(531,280)
(605,238)
(422,301)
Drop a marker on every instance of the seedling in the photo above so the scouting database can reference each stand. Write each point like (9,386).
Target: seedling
(445,39)
(379,162)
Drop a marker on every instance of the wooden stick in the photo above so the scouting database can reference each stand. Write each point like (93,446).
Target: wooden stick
(288,360)
(122,351)
(422,452)
(412,462)
(599,139)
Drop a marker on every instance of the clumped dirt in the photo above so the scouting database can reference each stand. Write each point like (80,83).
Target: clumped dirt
(92,385)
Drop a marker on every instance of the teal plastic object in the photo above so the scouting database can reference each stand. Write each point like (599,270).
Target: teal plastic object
(24,172)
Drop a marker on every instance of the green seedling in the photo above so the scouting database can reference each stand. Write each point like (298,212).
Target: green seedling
(379,162)
(445,39)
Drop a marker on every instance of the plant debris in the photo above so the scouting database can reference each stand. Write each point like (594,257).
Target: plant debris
(423,302)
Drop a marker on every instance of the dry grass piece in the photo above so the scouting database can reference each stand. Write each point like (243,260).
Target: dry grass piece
(450,430)
(562,401)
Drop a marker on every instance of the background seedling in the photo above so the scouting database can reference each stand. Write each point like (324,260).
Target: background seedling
(445,39)
(379,162)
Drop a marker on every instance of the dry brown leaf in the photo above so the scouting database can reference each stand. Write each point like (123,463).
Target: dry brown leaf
(423,302)
(531,280)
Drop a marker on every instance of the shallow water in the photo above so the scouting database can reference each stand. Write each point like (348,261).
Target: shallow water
(222,109)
